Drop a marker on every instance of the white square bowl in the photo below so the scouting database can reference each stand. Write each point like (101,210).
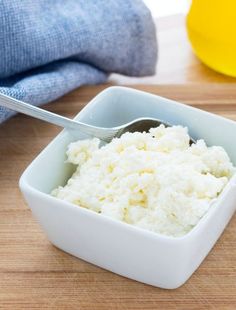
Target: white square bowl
(162,261)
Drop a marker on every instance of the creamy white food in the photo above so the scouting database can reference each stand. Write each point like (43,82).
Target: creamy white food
(153,180)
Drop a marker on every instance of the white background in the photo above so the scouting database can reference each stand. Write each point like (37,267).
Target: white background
(160,8)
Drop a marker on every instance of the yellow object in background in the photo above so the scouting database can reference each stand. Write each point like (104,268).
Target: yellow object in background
(211,26)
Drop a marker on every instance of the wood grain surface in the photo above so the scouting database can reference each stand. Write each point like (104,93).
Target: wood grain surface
(36,275)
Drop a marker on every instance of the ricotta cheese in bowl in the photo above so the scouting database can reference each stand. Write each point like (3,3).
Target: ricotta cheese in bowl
(154,180)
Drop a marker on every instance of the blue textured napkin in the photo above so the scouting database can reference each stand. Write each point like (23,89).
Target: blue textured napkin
(49,47)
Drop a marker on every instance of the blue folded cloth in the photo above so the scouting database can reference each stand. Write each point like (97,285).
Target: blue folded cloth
(50,47)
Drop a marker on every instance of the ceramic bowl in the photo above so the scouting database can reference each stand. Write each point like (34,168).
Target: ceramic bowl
(148,257)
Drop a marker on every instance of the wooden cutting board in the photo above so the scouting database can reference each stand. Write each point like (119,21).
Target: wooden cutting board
(36,275)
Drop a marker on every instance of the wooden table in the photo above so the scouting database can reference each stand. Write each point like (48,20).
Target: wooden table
(36,275)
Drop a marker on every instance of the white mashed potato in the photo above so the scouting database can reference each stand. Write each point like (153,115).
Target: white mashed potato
(153,180)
